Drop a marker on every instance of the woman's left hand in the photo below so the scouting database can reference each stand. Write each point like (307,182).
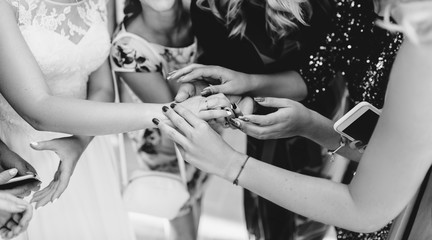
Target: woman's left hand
(200,145)
(290,119)
(69,150)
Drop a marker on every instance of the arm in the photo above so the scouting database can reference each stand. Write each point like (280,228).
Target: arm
(389,173)
(46,112)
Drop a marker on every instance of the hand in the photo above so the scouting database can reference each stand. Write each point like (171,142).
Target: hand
(8,160)
(188,90)
(195,104)
(69,150)
(230,82)
(290,119)
(200,145)
(15,213)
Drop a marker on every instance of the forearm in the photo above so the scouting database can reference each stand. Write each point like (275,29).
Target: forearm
(287,84)
(316,198)
(89,118)
(320,130)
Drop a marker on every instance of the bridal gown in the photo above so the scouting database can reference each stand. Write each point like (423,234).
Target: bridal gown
(69,41)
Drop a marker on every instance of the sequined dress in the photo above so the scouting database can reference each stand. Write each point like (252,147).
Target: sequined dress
(364,54)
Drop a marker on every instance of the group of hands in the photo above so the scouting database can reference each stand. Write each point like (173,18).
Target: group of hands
(223,93)
(194,124)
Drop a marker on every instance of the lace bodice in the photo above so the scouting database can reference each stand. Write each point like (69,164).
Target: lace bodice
(68,40)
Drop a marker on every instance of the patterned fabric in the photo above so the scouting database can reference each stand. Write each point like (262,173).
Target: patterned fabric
(132,53)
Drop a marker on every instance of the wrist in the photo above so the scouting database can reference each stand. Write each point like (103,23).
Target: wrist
(253,83)
(234,166)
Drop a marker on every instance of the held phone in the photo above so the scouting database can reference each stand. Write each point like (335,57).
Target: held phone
(359,123)
(18,181)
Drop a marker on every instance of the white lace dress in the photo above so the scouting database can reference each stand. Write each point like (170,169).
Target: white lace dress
(69,41)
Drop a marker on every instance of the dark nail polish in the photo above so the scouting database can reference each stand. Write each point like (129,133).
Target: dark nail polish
(234,106)
(172,105)
(164,108)
(155,121)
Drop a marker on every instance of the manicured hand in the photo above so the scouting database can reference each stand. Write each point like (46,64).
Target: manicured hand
(290,119)
(200,145)
(228,81)
(188,90)
(69,150)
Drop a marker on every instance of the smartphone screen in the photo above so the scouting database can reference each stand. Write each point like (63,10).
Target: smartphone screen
(363,127)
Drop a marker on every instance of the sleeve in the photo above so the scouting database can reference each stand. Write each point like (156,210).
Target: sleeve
(338,50)
(133,54)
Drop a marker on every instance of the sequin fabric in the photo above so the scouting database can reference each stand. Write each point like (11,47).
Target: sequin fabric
(358,49)
(364,54)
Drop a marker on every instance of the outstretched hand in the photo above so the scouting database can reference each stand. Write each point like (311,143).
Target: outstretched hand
(69,150)
(15,213)
(200,145)
(222,80)
(290,119)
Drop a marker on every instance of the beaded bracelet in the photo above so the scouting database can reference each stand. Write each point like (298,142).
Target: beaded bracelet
(235,182)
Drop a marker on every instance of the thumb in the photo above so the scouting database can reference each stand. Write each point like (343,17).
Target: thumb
(185,91)
(43,145)
(7,175)
(273,102)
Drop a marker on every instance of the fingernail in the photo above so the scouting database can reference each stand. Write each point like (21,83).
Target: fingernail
(34,143)
(229,113)
(234,106)
(54,200)
(22,207)
(155,121)
(164,108)
(13,171)
(206,92)
(236,123)
(30,173)
(259,99)
(245,119)
(181,78)
(172,105)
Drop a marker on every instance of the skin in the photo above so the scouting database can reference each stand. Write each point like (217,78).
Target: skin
(389,173)
(46,112)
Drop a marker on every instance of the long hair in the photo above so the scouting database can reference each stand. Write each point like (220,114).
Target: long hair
(282,16)
(132,8)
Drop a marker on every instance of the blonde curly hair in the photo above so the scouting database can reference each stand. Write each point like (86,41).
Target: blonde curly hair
(283,16)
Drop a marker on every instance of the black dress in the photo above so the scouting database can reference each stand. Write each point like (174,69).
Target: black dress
(364,54)
(264,219)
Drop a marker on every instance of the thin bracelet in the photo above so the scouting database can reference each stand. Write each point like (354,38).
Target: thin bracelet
(235,182)
(342,143)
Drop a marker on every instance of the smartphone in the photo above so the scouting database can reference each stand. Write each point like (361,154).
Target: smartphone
(18,181)
(359,123)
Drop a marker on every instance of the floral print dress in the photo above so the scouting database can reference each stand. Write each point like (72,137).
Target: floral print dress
(132,53)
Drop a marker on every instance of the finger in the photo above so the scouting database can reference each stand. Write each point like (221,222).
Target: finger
(186,90)
(47,191)
(27,216)
(208,74)
(173,134)
(185,113)
(224,88)
(253,130)
(64,179)
(262,120)
(3,232)
(215,101)
(7,175)
(180,72)
(214,114)
(11,224)
(43,145)
(274,102)
(12,204)
(178,121)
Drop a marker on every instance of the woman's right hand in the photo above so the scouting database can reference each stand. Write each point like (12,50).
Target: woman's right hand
(228,81)
(200,145)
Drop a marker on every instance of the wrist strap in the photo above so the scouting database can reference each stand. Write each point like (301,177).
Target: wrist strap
(235,182)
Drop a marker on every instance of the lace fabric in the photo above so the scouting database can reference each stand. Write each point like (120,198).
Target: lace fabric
(415,20)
